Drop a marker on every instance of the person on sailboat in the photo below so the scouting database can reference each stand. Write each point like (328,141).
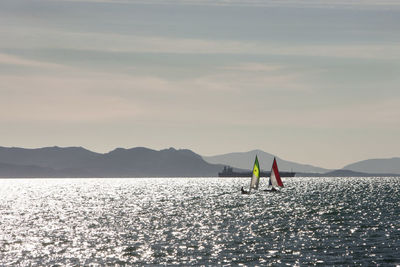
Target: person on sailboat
(244,191)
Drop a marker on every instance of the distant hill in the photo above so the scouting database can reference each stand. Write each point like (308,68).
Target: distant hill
(245,160)
(144,162)
(52,157)
(80,162)
(346,173)
(390,165)
(349,173)
(27,171)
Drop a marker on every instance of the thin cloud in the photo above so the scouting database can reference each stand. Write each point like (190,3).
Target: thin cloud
(382,114)
(354,4)
(21,61)
(110,42)
(79,95)
(253,67)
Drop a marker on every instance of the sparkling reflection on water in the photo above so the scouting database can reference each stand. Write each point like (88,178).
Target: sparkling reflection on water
(199,221)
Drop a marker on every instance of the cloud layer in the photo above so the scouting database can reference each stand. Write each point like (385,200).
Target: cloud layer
(288,77)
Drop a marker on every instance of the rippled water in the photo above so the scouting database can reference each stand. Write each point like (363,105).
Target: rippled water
(199,221)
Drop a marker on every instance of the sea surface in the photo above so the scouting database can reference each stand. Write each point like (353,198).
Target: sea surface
(199,221)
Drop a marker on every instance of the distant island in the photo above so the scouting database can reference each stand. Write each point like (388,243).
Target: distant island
(63,162)
(80,162)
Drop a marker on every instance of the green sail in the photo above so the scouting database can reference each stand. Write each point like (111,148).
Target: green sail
(255,179)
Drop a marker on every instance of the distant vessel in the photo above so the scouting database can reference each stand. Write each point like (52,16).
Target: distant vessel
(228,172)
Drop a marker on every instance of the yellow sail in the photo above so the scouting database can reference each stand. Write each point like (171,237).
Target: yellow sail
(255,179)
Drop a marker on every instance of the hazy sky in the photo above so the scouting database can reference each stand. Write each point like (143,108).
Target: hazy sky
(312,81)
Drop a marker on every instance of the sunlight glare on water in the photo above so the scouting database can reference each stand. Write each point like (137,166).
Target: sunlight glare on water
(195,221)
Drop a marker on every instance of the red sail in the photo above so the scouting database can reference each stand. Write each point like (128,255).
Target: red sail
(276,172)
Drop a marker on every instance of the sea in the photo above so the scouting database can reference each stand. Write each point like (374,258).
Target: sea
(199,221)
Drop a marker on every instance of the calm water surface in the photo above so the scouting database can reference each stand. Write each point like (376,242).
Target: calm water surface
(199,221)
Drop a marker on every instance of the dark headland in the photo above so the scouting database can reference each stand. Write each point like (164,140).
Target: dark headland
(80,162)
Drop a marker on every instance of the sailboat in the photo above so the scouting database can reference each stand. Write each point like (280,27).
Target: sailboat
(275,178)
(255,178)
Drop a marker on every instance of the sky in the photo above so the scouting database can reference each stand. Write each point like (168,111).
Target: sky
(311,81)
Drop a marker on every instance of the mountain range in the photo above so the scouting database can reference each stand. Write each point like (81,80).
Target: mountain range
(80,162)
(145,162)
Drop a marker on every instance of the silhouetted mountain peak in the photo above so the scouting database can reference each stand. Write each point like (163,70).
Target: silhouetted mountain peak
(382,165)
(258,151)
(183,153)
(132,150)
